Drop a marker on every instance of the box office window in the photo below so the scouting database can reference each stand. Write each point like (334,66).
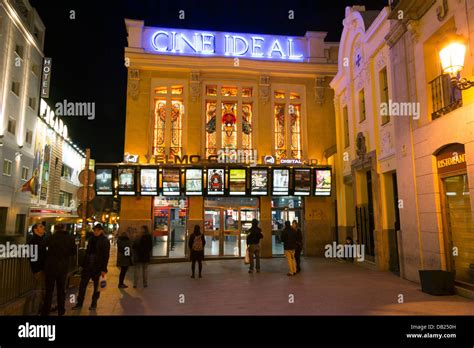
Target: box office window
(168,121)
(229,113)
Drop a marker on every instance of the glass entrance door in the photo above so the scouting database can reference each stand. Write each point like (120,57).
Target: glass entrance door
(212,231)
(231,231)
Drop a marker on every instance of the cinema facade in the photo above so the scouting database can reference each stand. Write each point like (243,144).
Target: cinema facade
(222,128)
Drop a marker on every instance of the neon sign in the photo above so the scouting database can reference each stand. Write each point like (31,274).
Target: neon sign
(193,42)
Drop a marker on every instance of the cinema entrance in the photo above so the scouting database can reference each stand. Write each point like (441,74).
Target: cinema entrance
(226,221)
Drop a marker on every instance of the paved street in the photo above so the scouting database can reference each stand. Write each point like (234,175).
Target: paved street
(325,287)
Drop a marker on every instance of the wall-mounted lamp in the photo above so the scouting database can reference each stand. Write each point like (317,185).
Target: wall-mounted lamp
(452,62)
(18,155)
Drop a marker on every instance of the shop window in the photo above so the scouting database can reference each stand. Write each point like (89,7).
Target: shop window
(65,198)
(287,118)
(233,129)
(168,121)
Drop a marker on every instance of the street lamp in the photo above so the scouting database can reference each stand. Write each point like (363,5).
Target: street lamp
(452,62)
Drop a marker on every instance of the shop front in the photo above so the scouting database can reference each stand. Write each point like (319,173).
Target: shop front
(458,224)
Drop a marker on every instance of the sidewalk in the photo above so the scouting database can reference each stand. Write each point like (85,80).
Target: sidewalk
(325,287)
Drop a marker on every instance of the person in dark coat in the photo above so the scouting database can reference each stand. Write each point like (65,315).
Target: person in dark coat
(196,245)
(94,265)
(253,244)
(288,237)
(60,248)
(124,257)
(142,250)
(37,265)
(299,245)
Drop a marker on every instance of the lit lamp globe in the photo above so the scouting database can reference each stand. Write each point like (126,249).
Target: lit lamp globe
(452,58)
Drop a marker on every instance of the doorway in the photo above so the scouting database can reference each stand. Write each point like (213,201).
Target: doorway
(284,209)
(226,223)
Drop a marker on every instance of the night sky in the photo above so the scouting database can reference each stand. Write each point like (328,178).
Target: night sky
(88,51)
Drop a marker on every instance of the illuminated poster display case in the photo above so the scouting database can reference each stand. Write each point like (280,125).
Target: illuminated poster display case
(301,181)
(237,182)
(215,182)
(259,181)
(194,181)
(104,181)
(280,181)
(126,181)
(171,179)
(322,182)
(148,181)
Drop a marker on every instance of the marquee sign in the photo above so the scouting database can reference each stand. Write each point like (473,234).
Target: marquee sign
(195,42)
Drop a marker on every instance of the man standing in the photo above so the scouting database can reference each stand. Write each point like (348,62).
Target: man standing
(60,247)
(37,265)
(299,245)
(253,243)
(288,237)
(94,265)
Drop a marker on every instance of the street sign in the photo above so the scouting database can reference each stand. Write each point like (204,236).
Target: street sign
(81,207)
(82,177)
(90,193)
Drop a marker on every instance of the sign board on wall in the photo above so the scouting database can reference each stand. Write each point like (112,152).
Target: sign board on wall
(46,77)
(451,159)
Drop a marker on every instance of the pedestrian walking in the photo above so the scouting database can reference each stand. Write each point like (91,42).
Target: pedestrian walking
(253,244)
(37,264)
(124,257)
(288,237)
(142,250)
(299,245)
(60,248)
(196,245)
(94,266)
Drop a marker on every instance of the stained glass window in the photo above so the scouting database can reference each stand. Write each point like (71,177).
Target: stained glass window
(159,127)
(294,111)
(229,125)
(247,113)
(211,90)
(279,95)
(294,95)
(168,121)
(280,143)
(211,122)
(246,92)
(177,111)
(229,91)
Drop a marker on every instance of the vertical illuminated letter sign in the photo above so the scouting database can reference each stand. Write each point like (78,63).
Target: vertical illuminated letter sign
(46,77)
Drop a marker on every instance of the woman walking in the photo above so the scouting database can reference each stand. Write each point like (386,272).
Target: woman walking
(124,257)
(196,246)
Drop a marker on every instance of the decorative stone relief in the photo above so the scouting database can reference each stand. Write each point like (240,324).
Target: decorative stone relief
(386,144)
(319,90)
(361,147)
(195,86)
(380,62)
(264,88)
(413,28)
(359,84)
(133,83)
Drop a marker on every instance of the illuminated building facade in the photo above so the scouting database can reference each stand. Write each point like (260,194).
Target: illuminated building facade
(221,127)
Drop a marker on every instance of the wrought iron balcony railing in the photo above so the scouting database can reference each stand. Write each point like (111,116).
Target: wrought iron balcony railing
(445,97)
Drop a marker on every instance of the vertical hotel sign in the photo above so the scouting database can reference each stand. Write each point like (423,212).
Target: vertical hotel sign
(46,77)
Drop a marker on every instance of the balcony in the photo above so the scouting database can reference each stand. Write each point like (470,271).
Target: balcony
(445,97)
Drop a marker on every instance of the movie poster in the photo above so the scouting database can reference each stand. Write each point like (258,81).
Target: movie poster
(171,183)
(148,181)
(103,181)
(237,182)
(126,181)
(194,181)
(281,179)
(259,184)
(302,181)
(323,182)
(215,181)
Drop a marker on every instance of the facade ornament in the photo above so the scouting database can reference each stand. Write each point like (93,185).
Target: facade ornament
(195,86)
(442,11)
(361,148)
(133,83)
(413,28)
(380,62)
(264,88)
(319,90)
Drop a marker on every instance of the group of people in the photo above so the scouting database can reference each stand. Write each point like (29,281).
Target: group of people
(292,239)
(51,267)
